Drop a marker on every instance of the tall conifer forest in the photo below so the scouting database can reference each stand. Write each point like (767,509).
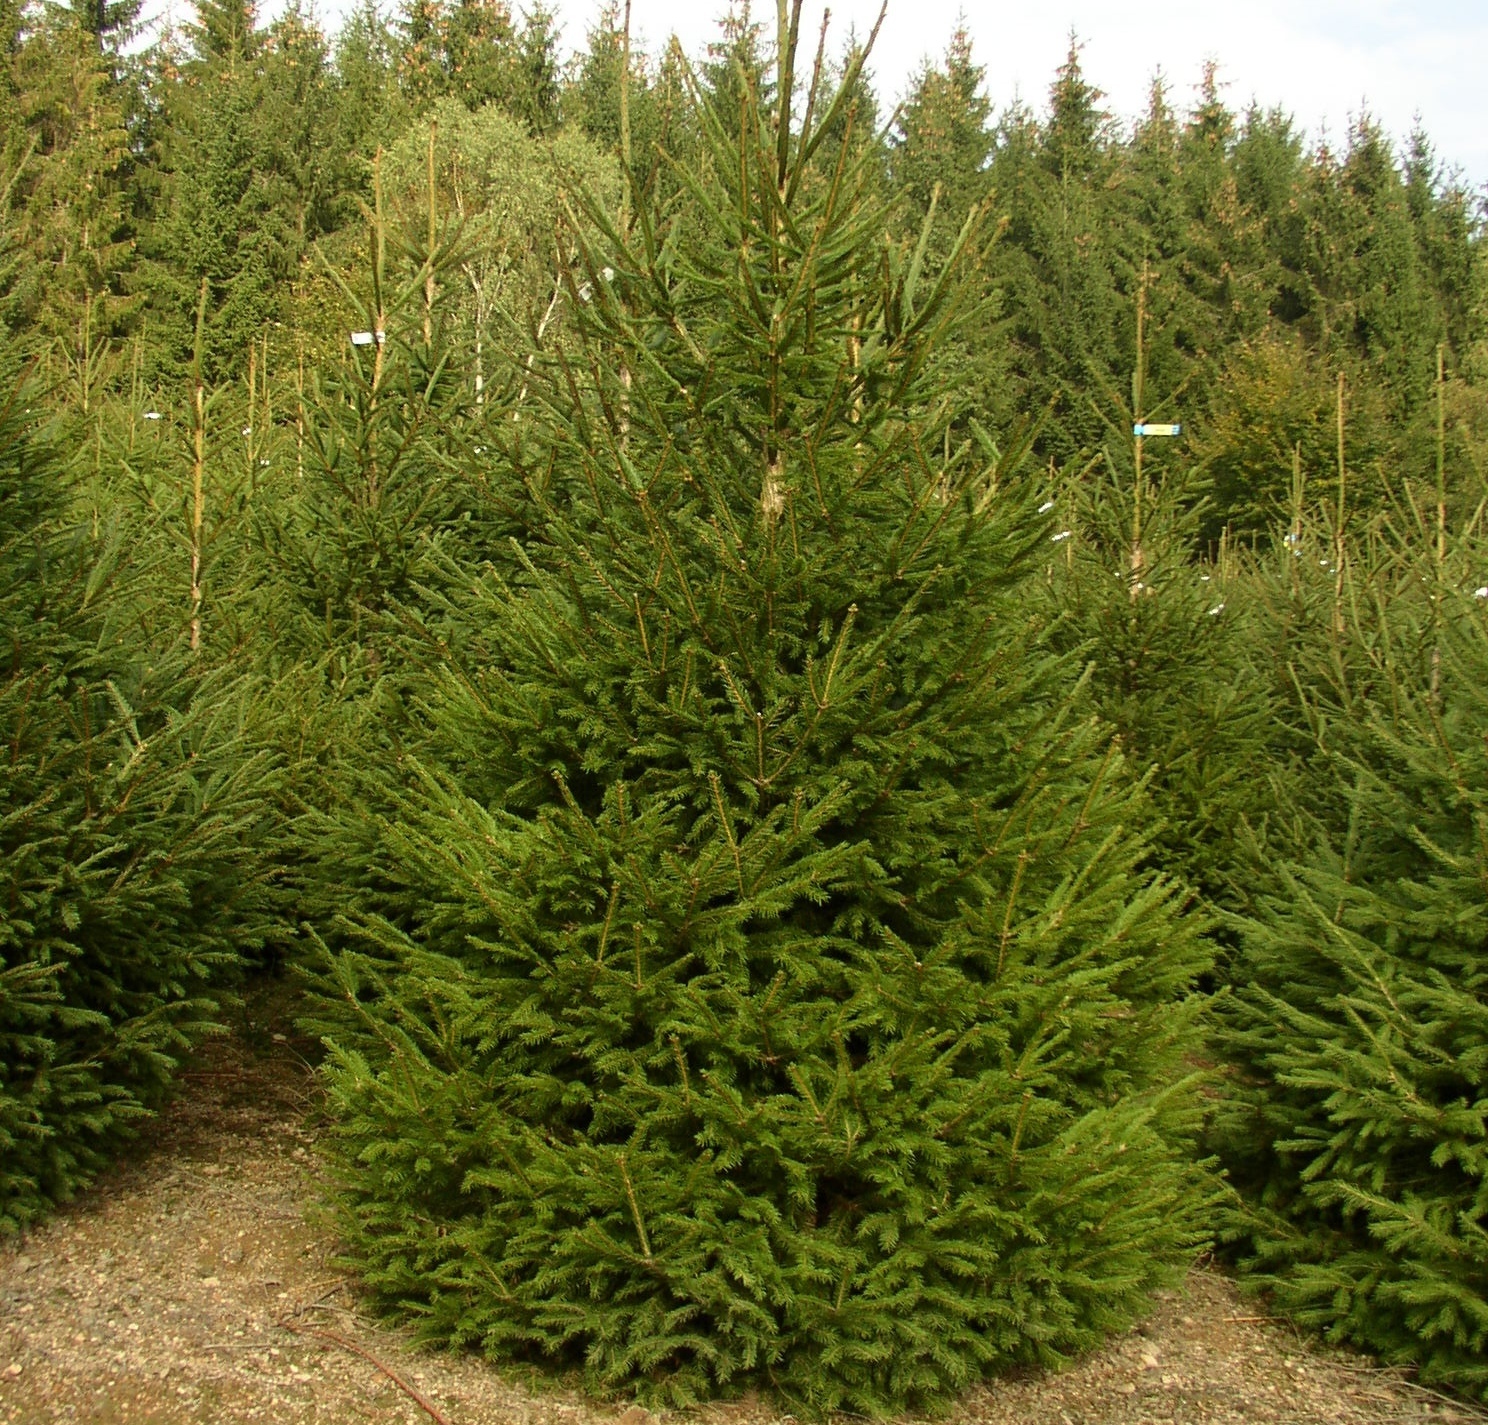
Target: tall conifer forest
(820,853)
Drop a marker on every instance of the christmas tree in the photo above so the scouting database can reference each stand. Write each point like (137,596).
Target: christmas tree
(132,815)
(1358,1025)
(749,976)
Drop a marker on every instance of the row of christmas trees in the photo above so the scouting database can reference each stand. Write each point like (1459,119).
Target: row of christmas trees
(794,891)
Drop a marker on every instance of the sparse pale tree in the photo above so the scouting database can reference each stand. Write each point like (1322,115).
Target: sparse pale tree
(509,194)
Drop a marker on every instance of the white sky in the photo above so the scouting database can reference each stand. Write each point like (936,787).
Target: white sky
(1323,61)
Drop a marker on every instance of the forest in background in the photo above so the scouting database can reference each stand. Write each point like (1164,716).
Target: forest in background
(242,156)
(820,857)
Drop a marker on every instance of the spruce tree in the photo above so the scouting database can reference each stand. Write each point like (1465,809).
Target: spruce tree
(421,65)
(112,23)
(591,100)
(746,973)
(938,168)
(474,50)
(480,46)
(944,142)
(368,107)
(1069,303)
(132,823)
(1442,211)
(301,164)
(1385,312)
(225,36)
(1221,280)
(225,217)
(387,426)
(737,66)
(1168,640)
(1358,1025)
(65,166)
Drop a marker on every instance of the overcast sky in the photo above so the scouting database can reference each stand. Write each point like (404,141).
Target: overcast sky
(1321,60)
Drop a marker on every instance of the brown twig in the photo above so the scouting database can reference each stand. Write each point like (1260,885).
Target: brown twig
(337,1339)
(328,1307)
(1402,1378)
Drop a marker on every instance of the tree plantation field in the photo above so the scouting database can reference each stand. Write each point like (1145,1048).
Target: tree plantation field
(848,739)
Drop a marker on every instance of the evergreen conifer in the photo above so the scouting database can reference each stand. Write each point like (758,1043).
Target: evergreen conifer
(132,817)
(747,974)
(1358,1024)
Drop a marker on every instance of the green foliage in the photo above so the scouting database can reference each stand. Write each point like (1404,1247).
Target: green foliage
(1168,640)
(592,98)
(131,813)
(474,50)
(223,230)
(253,178)
(63,161)
(369,111)
(746,973)
(504,192)
(1359,1021)
(764,758)
(945,143)
(380,470)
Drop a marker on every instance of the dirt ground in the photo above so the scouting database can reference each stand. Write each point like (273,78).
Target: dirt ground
(197,1285)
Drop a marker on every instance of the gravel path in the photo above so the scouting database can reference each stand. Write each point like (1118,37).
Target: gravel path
(197,1286)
